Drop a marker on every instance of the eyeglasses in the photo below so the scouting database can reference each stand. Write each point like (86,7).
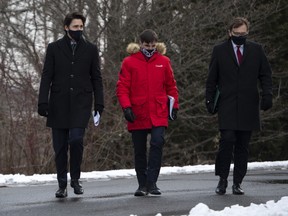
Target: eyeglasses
(237,34)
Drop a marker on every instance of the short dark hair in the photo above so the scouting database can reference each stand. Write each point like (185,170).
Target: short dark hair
(237,22)
(74,15)
(148,36)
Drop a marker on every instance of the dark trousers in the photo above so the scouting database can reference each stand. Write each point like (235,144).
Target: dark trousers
(64,139)
(233,144)
(148,171)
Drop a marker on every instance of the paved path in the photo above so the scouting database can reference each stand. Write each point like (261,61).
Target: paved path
(115,197)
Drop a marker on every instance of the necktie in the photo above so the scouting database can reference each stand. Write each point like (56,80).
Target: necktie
(73,45)
(239,55)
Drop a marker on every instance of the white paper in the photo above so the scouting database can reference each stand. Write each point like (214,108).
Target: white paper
(171,104)
(96,118)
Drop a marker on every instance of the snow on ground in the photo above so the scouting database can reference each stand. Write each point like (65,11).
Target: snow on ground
(270,208)
(20,179)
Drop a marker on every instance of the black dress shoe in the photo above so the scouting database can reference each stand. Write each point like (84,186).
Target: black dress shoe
(141,191)
(237,190)
(77,186)
(153,189)
(61,193)
(221,187)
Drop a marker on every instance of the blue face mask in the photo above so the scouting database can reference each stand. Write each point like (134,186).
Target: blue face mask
(76,35)
(148,52)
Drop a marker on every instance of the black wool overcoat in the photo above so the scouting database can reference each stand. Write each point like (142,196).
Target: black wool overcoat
(69,81)
(238,105)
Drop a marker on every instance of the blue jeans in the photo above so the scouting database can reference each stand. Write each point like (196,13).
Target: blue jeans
(148,171)
(64,139)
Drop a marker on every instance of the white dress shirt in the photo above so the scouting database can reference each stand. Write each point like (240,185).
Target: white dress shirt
(235,49)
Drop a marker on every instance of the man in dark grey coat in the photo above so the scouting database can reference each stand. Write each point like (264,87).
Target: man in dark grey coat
(235,69)
(71,77)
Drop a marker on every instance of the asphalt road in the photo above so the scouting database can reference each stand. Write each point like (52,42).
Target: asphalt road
(180,193)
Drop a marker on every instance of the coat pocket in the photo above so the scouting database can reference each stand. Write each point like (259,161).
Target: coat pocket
(162,106)
(139,107)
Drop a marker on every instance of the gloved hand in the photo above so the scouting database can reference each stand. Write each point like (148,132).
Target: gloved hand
(266,102)
(174,114)
(43,109)
(98,108)
(129,115)
(210,107)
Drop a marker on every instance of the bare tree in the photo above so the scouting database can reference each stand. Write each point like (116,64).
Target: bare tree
(188,28)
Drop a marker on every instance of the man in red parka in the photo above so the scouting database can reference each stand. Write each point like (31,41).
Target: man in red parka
(145,81)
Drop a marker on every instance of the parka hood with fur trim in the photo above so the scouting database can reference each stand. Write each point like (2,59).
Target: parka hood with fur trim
(134,48)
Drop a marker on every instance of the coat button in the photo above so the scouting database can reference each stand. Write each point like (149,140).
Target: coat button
(72,62)
(71,75)
(71,89)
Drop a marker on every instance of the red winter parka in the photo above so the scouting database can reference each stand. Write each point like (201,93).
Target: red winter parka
(144,85)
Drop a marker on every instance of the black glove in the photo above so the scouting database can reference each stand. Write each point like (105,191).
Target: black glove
(266,102)
(129,115)
(173,114)
(210,107)
(98,108)
(43,109)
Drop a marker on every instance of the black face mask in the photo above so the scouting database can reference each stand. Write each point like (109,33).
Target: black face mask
(238,40)
(76,35)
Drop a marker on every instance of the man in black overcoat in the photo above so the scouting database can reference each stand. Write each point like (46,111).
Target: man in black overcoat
(236,68)
(70,80)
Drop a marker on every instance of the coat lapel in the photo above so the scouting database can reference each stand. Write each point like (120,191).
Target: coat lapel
(81,47)
(64,46)
(245,51)
(231,51)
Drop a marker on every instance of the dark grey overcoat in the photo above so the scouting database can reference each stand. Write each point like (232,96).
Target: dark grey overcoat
(238,105)
(69,82)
